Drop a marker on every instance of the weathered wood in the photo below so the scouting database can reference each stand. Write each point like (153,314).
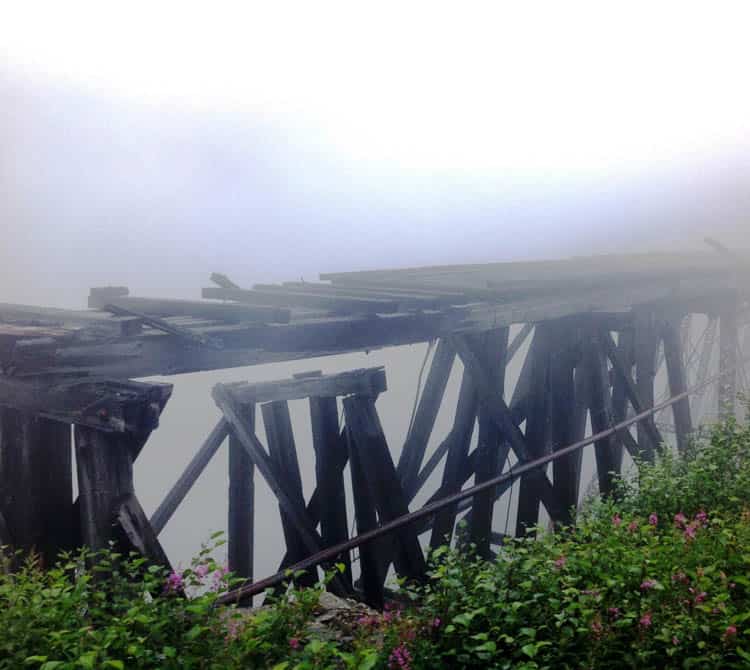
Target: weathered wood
(161,307)
(502,415)
(36,493)
(222,280)
(283,453)
(492,449)
(105,476)
(566,471)
(537,421)
(367,381)
(677,383)
(368,442)
(646,343)
(459,441)
(415,445)
(136,527)
(600,403)
(330,458)
(241,510)
(520,337)
(624,355)
(697,402)
(728,348)
(187,479)
(108,405)
(370,560)
(341,304)
(404,299)
(631,390)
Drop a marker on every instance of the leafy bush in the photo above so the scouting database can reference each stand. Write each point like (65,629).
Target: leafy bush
(655,578)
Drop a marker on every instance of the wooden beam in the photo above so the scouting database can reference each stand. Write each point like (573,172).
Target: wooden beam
(140,535)
(364,381)
(624,354)
(503,417)
(646,344)
(459,441)
(492,448)
(369,443)
(222,280)
(283,453)
(36,494)
(107,405)
(241,509)
(677,383)
(341,304)
(402,298)
(415,445)
(728,348)
(161,307)
(187,479)
(330,459)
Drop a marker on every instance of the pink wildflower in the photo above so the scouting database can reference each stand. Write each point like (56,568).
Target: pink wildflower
(701,518)
(560,562)
(680,577)
(675,641)
(201,570)
(436,622)
(690,532)
(294,643)
(645,620)
(701,597)
(730,631)
(632,527)
(647,584)
(732,585)
(174,582)
(597,628)
(680,520)
(616,520)
(653,519)
(400,658)
(614,612)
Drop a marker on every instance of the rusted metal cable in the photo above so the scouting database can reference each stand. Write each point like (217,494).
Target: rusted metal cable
(332,552)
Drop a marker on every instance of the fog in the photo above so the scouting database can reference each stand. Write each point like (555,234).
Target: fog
(153,148)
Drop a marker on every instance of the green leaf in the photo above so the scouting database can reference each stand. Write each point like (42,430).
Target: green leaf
(117,665)
(35,659)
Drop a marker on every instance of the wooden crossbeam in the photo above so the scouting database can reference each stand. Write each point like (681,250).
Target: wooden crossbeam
(404,299)
(501,415)
(341,304)
(107,405)
(677,383)
(364,381)
(241,503)
(141,536)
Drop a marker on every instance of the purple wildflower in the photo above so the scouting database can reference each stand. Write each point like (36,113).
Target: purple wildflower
(647,584)
(400,658)
(653,519)
(645,620)
(616,520)
(680,520)
(294,643)
(560,562)
(174,582)
(701,518)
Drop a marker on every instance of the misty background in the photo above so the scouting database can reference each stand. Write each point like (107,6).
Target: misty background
(151,145)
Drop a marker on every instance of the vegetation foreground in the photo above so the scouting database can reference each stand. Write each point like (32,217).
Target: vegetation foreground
(657,579)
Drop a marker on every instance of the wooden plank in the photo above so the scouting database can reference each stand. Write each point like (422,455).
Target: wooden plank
(459,440)
(330,458)
(136,527)
(222,280)
(187,479)
(415,445)
(537,422)
(341,304)
(241,509)
(36,494)
(402,298)
(501,414)
(370,561)
(364,381)
(283,453)
(369,443)
(105,476)
(600,403)
(677,383)
(491,349)
(109,405)
(161,307)
(728,348)
(625,355)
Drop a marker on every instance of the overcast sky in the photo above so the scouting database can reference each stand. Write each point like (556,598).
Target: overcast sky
(152,144)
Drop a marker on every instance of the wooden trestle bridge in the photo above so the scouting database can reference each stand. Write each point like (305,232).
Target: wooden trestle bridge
(595,332)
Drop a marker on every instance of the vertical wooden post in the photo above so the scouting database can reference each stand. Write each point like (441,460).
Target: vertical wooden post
(330,458)
(491,349)
(646,341)
(625,344)
(567,469)
(241,513)
(105,475)
(728,347)
(600,404)
(283,453)
(537,419)
(677,384)
(36,494)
